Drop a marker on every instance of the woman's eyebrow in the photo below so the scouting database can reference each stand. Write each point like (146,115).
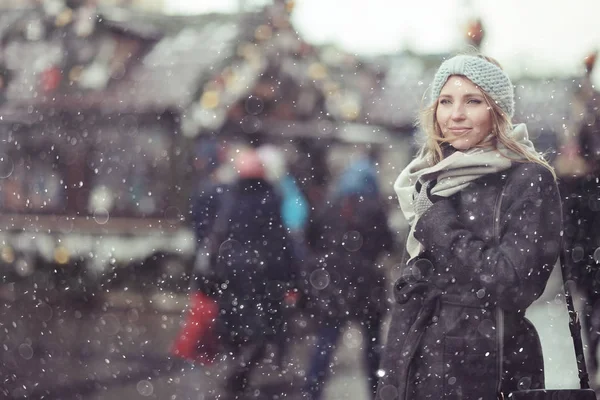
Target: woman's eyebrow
(468,94)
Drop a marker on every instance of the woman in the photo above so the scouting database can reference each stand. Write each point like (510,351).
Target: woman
(485,220)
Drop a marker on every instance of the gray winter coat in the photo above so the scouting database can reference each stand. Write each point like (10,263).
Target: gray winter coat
(462,304)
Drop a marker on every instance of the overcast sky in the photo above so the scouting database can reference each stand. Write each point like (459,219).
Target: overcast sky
(540,37)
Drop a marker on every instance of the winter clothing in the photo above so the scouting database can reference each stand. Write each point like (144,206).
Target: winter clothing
(254,269)
(453,174)
(347,238)
(348,235)
(488,76)
(581,240)
(581,194)
(294,208)
(254,234)
(578,165)
(257,263)
(460,306)
(422,200)
(359,178)
(347,284)
(208,155)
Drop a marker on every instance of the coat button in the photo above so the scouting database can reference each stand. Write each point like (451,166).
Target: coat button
(434,319)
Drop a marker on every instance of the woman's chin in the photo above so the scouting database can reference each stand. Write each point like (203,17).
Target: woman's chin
(461,145)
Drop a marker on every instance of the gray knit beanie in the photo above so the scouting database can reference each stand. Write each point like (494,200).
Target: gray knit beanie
(489,77)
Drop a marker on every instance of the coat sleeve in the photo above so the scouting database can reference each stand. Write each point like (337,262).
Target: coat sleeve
(513,272)
(203,208)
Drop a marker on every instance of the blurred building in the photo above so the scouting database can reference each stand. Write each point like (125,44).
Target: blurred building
(103,106)
(91,174)
(145,5)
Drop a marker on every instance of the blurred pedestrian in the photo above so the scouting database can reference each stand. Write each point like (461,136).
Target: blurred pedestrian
(485,220)
(294,214)
(348,234)
(211,205)
(254,268)
(578,167)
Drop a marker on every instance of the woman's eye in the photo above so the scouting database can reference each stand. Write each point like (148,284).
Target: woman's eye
(444,101)
(474,101)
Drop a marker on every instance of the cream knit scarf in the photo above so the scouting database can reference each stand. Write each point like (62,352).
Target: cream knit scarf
(453,174)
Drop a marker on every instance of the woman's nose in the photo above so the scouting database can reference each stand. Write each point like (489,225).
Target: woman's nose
(458,112)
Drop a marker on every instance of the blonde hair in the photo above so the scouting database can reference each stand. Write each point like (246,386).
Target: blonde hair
(501,129)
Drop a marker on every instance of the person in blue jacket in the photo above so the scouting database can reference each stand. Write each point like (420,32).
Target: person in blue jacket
(346,283)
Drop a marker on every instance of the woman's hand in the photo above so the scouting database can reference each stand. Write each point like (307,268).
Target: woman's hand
(423,197)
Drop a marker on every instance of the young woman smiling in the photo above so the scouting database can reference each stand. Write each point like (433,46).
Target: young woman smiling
(485,218)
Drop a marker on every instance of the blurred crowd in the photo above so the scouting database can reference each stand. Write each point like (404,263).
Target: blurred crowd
(321,250)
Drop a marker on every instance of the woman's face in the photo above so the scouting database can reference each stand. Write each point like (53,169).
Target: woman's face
(463,115)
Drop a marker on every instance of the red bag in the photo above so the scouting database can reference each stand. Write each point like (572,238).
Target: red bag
(197,341)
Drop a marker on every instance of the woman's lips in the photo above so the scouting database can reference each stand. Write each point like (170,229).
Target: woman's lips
(459,131)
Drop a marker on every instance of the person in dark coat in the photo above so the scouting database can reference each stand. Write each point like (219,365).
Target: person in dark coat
(485,218)
(578,168)
(348,235)
(254,269)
